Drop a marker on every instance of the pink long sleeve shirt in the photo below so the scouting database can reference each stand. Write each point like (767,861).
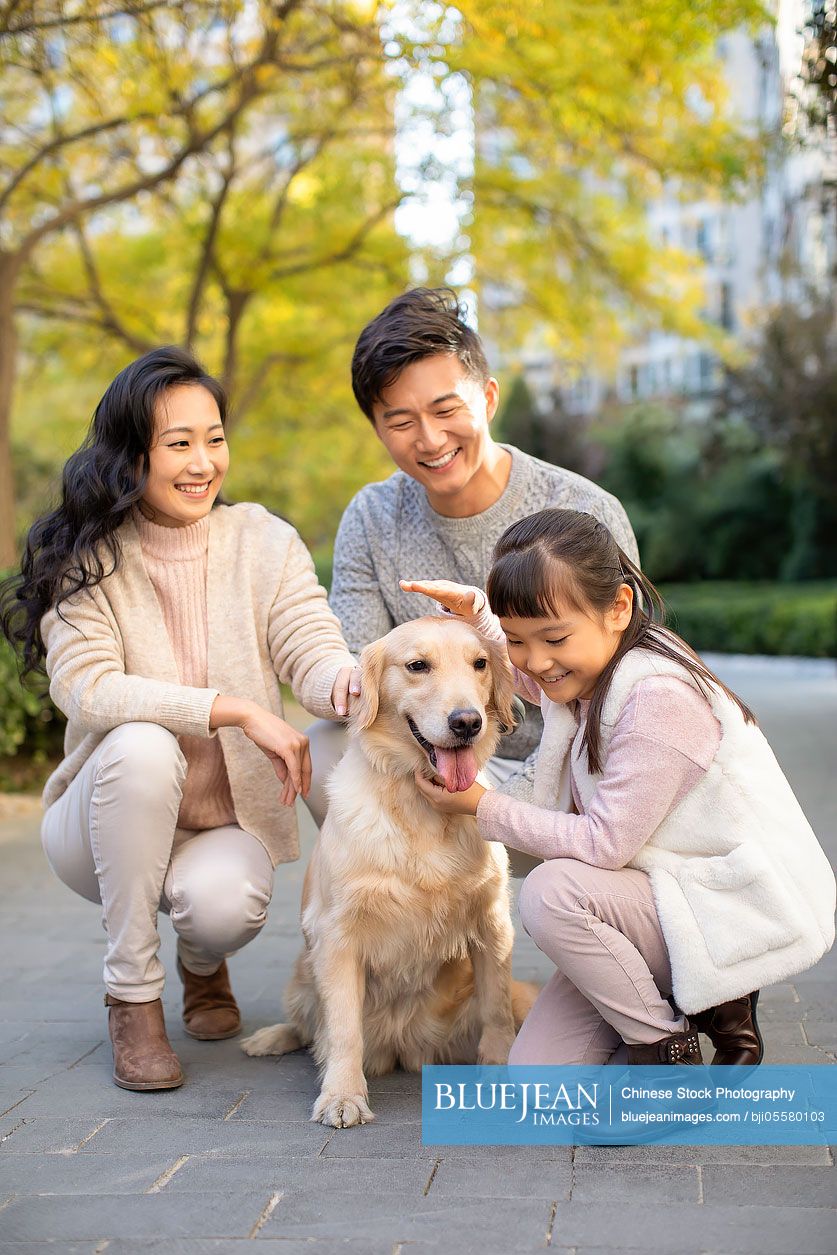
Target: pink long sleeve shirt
(664,742)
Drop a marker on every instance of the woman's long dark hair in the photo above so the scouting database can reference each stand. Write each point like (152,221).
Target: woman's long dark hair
(75,546)
(558,558)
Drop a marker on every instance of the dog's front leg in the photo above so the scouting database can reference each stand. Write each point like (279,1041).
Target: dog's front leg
(342,987)
(492,962)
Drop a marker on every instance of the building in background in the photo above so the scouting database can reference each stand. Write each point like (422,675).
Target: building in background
(776,247)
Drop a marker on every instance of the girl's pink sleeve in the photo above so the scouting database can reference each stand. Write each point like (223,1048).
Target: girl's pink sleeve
(663,744)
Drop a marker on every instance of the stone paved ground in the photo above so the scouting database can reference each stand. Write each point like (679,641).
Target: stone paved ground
(231,1159)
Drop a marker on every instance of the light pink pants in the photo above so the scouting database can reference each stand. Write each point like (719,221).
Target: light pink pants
(600,929)
(113,838)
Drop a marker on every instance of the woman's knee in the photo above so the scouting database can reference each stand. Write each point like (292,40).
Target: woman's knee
(142,746)
(145,758)
(218,909)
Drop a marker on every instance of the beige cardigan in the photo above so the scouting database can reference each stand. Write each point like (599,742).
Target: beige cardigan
(109,660)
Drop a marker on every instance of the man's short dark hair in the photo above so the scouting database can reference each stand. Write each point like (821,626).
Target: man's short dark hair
(420,323)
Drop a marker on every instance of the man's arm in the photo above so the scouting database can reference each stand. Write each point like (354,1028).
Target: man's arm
(355,595)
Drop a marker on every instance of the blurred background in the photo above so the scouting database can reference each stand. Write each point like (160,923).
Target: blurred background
(637,203)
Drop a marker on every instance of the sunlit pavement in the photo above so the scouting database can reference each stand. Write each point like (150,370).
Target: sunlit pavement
(232,1158)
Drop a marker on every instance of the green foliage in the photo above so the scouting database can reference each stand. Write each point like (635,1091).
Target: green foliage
(755,618)
(28,720)
(585,111)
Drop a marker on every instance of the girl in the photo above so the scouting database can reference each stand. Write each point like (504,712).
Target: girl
(166,620)
(678,861)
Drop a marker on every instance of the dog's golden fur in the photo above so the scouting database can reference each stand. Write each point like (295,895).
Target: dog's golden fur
(405,911)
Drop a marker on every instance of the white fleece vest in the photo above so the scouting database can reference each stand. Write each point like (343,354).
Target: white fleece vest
(744,893)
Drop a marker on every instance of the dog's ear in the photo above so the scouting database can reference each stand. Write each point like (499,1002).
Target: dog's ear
(502,686)
(365,710)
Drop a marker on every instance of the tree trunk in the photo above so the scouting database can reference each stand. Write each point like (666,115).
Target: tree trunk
(9,269)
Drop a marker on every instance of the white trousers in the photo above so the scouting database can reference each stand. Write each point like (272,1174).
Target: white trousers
(113,838)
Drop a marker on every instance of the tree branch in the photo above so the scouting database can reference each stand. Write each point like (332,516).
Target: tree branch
(110,319)
(29,28)
(208,249)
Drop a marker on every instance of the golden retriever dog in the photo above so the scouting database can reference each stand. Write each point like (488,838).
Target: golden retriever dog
(405,911)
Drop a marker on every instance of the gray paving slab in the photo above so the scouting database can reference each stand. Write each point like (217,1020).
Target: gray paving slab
(659,1183)
(233,1154)
(187,1135)
(266,1246)
(689,1227)
(790,1185)
(100,1216)
(76,1174)
(59,1246)
(519,1224)
(220,1172)
(507,1177)
(801,1156)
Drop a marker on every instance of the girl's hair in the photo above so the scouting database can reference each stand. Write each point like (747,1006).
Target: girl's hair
(75,546)
(560,558)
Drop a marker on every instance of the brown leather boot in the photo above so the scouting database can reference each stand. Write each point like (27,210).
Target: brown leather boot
(733,1030)
(210,1011)
(675,1048)
(142,1055)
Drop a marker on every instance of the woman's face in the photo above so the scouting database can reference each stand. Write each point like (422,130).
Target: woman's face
(188,457)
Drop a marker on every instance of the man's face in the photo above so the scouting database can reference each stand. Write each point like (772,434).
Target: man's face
(434,423)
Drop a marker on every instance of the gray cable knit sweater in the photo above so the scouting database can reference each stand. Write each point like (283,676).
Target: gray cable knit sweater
(389,531)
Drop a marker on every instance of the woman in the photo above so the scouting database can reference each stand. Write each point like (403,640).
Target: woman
(166,620)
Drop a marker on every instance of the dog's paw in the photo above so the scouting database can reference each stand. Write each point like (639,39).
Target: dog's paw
(277,1039)
(494,1047)
(341,1111)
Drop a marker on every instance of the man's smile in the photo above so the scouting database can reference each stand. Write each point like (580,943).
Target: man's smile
(440,463)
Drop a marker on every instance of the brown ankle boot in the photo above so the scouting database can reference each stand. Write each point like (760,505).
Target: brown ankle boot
(733,1030)
(210,1012)
(142,1056)
(675,1048)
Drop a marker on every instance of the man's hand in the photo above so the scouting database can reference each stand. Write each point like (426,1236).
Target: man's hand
(346,686)
(464,803)
(459,599)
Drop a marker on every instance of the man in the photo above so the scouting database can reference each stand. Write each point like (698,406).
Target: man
(420,376)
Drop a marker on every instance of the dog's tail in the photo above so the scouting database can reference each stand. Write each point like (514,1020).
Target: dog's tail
(523,995)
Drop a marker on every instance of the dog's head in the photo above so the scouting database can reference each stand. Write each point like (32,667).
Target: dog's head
(435,695)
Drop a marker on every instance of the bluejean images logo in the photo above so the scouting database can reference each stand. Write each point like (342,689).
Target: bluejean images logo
(768,1105)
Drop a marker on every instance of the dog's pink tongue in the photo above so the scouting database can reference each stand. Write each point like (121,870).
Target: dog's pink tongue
(458,768)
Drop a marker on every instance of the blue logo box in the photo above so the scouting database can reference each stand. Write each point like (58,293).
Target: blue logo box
(772,1105)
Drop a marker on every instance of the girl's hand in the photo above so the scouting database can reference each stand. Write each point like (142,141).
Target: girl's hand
(346,686)
(286,748)
(459,599)
(464,803)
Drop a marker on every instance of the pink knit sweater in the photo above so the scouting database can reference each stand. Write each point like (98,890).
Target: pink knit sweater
(175,559)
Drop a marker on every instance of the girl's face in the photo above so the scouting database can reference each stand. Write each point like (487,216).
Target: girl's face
(188,457)
(566,653)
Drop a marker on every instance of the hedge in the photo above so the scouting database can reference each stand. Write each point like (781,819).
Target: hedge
(740,618)
(27,716)
(724,616)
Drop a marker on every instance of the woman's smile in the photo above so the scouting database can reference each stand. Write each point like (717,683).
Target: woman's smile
(189,441)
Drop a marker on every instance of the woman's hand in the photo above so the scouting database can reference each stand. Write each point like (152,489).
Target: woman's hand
(459,599)
(286,748)
(464,803)
(346,686)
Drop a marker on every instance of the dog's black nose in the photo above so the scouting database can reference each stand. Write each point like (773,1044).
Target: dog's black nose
(465,722)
